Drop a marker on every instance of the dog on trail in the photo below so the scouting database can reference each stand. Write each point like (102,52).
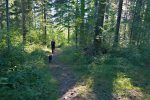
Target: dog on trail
(50,58)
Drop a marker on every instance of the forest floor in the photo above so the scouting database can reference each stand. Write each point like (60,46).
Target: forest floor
(114,78)
(70,86)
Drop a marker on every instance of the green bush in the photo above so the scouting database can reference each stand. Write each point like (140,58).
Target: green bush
(145,55)
(11,59)
(132,54)
(29,83)
(25,76)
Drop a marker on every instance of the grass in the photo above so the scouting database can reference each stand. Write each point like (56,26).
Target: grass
(28,73)
(112,76)
(107,76)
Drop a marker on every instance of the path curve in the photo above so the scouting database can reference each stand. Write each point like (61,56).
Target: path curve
(69,85)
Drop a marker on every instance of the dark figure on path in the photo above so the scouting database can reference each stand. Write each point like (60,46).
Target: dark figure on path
(53,46)
(50,58)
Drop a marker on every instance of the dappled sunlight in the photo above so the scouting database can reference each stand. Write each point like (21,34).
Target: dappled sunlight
(80,91)
(74,50)
(31,48)
(124,89)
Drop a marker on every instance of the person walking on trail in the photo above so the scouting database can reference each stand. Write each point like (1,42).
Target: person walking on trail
(53,46)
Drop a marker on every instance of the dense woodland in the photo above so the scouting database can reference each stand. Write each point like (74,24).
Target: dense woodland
(105,43)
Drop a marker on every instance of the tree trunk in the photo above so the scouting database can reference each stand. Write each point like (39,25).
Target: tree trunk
(45,22)
(146,23)
(99,24)
(82,33)
(1,16)
(1,19)
(136,23)
(68,23)
(23,22)
(68,31)
(8,24)
(107,10)
(76,22)
(116,39)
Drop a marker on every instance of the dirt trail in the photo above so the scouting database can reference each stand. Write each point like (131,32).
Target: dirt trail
(65,77)
(69,86)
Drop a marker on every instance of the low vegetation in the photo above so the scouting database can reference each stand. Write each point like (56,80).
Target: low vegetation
(25,75)
(102,49)
(124,75)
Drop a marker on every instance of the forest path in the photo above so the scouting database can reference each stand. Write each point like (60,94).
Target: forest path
(69,86)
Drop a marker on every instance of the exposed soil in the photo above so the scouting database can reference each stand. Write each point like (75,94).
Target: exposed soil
(65,77)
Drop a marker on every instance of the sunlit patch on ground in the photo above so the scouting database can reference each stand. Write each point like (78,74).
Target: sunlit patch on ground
(124,90)
(81,91)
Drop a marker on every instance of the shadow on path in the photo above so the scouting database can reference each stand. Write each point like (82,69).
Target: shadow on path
(65,77)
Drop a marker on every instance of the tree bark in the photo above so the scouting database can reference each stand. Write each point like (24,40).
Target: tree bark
(1,19)
(45,22)
(107,9)
(116,39)
(1,16)
(68,23)
(8,24)
(136,23)
(23,22)
(68,31)
(99,24)
(82,33)
(76,22)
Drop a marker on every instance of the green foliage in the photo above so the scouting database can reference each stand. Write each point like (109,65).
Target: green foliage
(115,75)
(23,70)
(145,55)
(131,54)
(78,61)
(28,83)
(2,39)
(10,60)
(134,54)
(26,76)
(33,37)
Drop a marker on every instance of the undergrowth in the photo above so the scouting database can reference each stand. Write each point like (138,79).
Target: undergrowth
(25,75)
(119,75)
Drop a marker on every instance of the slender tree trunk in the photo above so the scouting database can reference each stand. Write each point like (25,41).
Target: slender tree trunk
(126,18)
(76,32)
(76,23)
(68,23)
(116,39)
(1,19)
(23,22)
(1,16)
(107,9)
(68,31)
(99,24)
(82,33)
(8,24)
(45,22)
(147,24)
(34,16)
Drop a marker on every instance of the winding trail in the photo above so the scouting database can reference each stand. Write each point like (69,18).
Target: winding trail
(77,87)
(65,77)
(69,86)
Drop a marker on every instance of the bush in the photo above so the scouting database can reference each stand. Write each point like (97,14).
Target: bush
(11,59)
(132,54)
(145,55)
(29,83)
(25,76)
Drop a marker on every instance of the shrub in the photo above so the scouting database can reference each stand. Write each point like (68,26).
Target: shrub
(25,76)
(145,55)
